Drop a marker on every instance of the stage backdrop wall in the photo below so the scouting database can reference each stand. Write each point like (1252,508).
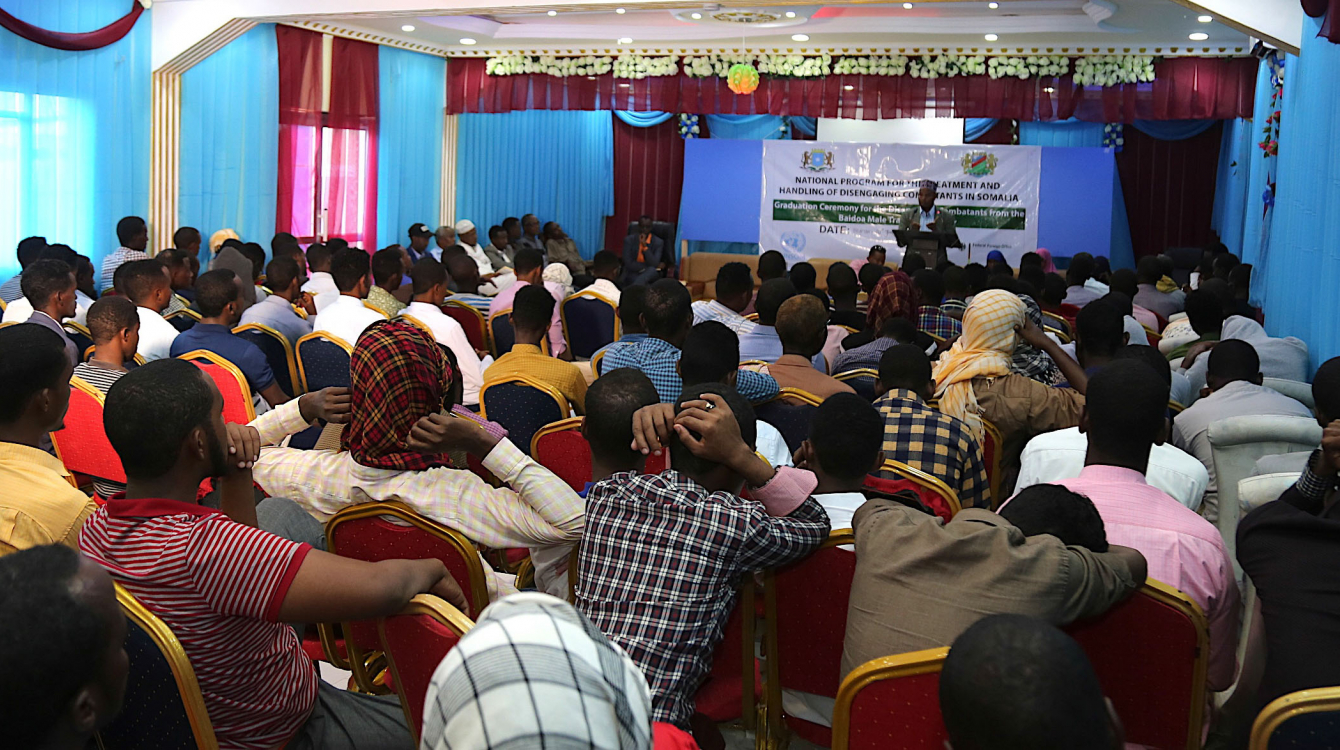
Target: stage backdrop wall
(723,182)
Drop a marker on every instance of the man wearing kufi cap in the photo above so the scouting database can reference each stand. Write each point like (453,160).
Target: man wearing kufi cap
(467,236)
(927,217)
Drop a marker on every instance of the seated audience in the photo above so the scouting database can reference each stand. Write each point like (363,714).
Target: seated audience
(233,586)
(558,279)
(1205,314)
(869,276)
(605,267)
(631,328)
(913,262)
(976,276)
(955,283)
(284,277)
(761,343)
(615,398)
(976,379)
(1124,281)
(38,504)
(188,239)
(670,617)
(996,265)
(218,294)
(929,316)
(667,316)
(115,329)
(771,265)
(465,274)
(1052,299)
(64,649)
(1148,272)
(1285,358)
(1012,681)
(1122,302)
(530,270)
(145,282)
(1125,415)
(802,328)
(21,309)
(877,256)
(895,331)
(846,435)
(803,276)
(734,292)
(388,272)
(498,251)
(712,355)
(347,317)
(922,437)
(445,237)
(467,234)
(419,235)
(843,288)
(231,258)
(1078,292)
(1240,281)
(894,297)
(1234,382)
(531,312)
(49,288)
(29,251)
(560,248)
(253,252)
(180,278)
(393,449)
(133,234)
(1045,555)
(645,255)
(1099,335)
(430,285)
(320,283)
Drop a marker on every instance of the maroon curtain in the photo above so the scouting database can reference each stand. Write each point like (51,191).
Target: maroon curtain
(648,174)
(299,129)
(351,182)
(1185,88)
(1329,11)
(78,42)
(1000,134)
(1169,189)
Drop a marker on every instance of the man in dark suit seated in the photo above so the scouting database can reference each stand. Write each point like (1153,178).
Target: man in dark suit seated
(644,255)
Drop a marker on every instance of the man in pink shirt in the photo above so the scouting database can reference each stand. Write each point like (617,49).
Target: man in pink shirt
(529,267)
(1125,415)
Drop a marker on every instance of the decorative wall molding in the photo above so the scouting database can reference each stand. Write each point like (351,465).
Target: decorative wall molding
(450,129)
(364,36)
(1168,51)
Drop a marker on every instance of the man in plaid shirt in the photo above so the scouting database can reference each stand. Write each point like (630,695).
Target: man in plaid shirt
(922,437)
(662,555)
(930,318)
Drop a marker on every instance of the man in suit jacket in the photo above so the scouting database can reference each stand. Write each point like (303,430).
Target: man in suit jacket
(927,217)
(644,256)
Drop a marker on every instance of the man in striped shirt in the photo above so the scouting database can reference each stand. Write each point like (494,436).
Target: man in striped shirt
(224,587)
(115,328)
(133,234)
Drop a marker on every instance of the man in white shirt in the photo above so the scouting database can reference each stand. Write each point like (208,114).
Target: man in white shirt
(430,286)
(346,317)
(734,293)
(146,284)
(491,279)
(606,268)
(1234,379)
(320,284)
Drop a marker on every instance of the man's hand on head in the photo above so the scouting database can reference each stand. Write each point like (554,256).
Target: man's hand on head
(329,404)
(1329,460)
(440,433)
(652,426)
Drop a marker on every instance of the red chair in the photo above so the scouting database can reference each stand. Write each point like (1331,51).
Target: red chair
(892,703)
(1151,653)
(237,404)
(561,448)
(992,444)
(471,320)
(805,606)
(934,493)
(414,641)
(82,444)
(366,532)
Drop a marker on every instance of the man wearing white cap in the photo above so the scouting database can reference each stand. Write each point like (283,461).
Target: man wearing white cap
(926,217)
(493,279)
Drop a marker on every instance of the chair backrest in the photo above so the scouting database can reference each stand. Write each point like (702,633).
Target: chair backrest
(663,229)
(1151,653)
(1154,336)
(82,444)
(278,353)
(934,493)
(790,419)
(501,334)
(892,703)
(414,641)
(1237,442)
(992,445)
(806,615)
(589,323)
(471,320)
(164,708)
(323,361)
(376,309)
(79,334)
(1253,492)
(183,320)
(523,406)
(561,448)
(861,380)
(1294,389)
(597,361)
(237,404)
(1305,720)
(1057,323)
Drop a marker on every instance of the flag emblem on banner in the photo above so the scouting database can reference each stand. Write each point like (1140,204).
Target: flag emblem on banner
(979,163)
(817,160)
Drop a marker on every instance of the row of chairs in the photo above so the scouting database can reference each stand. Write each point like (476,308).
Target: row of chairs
(589,323)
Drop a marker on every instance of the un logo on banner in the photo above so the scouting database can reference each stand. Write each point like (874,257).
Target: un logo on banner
(792,244)
(817,160)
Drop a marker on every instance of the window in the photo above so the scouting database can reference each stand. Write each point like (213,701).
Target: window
(331,175)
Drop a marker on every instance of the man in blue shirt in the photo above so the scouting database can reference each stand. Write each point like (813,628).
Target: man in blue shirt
(285,279)
(667,316)
(631,302)
(217,294)
(762,343)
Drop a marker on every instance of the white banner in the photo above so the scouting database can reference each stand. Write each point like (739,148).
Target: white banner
(835,200)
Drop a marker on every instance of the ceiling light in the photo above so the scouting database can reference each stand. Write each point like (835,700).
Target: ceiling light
(800,37)
(695,16)
(1048,90)
(620,11)
(848,88)
(1205,19)
(625,40)
(993,6)
(623,85)
(907,6)
(553,12)
(790,14)
(407,27)
(991,37)
(1199,36)
(467,40)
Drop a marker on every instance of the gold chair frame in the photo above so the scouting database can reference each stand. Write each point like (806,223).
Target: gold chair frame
(214,359)
(376,309)
(1289,706)
(419,324)
(878,670)
(444,614)
(860,372)
(596,360)
(561,425)
(288,352)
(493,345)
(922,479)
(188,312)
(314,336)
(563,405)
(797,395)
(563,314)
(483,322)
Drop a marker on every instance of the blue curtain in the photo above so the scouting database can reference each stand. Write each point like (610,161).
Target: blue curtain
(746,127)
(804,125)
(1173,130)
(642,119)
(558,165)
(74,130)
(1230,183)
(1255,224)
(412,88)
(1065,133)
(1121,253)
(1305,230)
(229,157)
(976,127)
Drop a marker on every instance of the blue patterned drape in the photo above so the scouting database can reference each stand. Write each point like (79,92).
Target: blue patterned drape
(1230,185)
(746,127)
(1304,264)
(413,92)
(558,165)
(1255,224)
(1065,133)
(229,157)
(642,119)
(74,130)
(976,127)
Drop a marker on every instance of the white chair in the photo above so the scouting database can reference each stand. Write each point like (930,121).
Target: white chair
(1253,492)
(1294,389)
(1236,444)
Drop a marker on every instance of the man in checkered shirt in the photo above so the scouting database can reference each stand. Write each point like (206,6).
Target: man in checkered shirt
(662,555)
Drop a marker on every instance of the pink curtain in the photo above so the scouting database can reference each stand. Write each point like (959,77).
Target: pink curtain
(299,130)
(351,183)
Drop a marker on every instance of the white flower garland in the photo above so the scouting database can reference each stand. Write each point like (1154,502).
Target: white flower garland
(1088,71)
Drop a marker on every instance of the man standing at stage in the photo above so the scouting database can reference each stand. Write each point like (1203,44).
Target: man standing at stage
(927,217)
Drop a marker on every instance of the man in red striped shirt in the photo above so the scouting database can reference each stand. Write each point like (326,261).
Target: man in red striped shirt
(225,587)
